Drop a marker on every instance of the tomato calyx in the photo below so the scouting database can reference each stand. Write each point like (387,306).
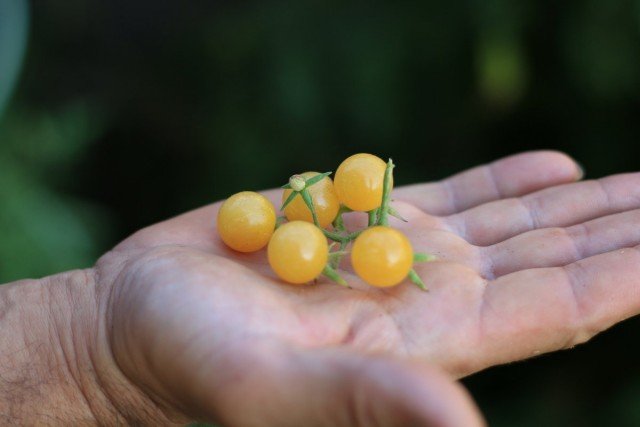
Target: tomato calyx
(299,185)
(297,182)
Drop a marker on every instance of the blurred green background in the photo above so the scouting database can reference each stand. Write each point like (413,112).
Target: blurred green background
(114,115)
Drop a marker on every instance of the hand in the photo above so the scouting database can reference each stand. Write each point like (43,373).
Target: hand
(528,262)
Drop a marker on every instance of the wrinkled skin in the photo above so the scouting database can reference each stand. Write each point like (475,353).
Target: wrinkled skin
(529,262)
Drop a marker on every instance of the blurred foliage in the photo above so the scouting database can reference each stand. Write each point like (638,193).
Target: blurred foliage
(44,231)
(129,112)
(41,230)
(13,36)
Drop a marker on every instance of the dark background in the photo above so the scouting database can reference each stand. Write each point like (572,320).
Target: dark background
(124,113)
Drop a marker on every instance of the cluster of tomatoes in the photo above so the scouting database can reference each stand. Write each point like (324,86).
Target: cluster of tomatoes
(313,205)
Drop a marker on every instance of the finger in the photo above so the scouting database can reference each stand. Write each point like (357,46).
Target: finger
(343,389)
(508,177)
(551,247)
(553,207)
(540,310)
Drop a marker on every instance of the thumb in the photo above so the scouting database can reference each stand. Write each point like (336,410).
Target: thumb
(314,387)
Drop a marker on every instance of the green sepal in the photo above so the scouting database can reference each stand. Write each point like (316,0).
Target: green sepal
(306,196)
(396,214)
(289,199)
(286,186)
(333,275)
(314,179)
(386,195)
(420,257)
(413,276)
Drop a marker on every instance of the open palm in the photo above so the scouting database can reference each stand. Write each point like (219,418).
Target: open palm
(528,262)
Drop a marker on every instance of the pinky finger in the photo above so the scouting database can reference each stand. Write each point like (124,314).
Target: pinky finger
(540,310)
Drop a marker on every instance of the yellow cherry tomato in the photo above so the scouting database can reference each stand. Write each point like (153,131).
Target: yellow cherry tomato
(298,252)
(325,202)
(246,221)
(382,256)
(359,181)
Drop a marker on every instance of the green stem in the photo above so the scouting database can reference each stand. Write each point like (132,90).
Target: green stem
(338,223)
(333,236)
(280,220)
(336,257)
(373,214)
(383,216)
(340,238)
(354,235)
